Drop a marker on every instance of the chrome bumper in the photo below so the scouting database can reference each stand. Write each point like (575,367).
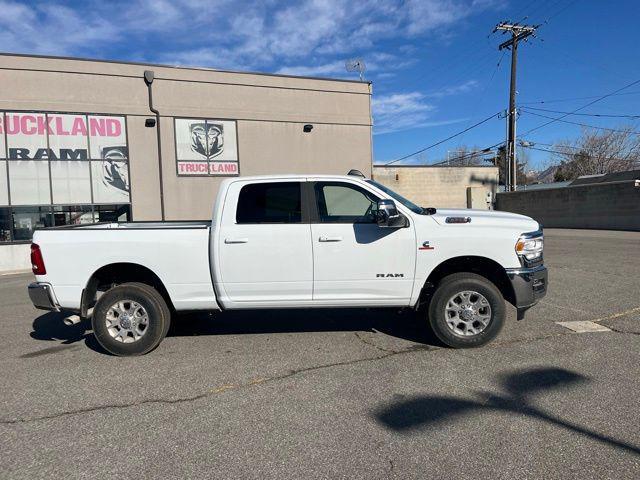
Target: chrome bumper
(42,297)
(529,286)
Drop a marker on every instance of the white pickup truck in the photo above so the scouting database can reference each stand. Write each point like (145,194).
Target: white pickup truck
(293,242)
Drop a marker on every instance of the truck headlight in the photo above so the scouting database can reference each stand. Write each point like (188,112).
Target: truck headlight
(529,246)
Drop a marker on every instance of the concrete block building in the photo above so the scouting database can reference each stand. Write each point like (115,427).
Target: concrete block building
(442,186)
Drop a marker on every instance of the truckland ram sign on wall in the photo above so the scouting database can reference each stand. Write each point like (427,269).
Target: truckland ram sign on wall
(86,157)
(206,147)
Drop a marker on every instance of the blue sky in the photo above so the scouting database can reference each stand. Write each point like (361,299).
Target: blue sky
(433,64)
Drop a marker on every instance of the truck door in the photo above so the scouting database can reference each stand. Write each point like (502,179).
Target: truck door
(355,261)
(264,252)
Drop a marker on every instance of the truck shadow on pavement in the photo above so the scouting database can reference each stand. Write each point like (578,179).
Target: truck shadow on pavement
(50,327)
(421,412)
(403,324)
(407,325)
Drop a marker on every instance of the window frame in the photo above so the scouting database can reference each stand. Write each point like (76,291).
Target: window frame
(304,204)
(207,161)
(315,199)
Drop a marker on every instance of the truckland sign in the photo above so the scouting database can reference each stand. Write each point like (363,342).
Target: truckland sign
(39,136)
(73,143)
(206,147)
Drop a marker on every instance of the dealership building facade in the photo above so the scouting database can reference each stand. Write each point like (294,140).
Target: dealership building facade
(83,141)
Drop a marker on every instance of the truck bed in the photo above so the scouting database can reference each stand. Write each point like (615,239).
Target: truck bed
(176,252)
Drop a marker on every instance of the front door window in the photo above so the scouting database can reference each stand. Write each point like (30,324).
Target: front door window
(345,203)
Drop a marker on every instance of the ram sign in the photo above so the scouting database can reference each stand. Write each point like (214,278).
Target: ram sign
(206,147)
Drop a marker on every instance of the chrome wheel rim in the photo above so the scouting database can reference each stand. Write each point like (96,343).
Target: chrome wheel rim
(127,321)
(468,313)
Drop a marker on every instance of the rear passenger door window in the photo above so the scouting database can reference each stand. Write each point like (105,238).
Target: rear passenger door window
(270,203)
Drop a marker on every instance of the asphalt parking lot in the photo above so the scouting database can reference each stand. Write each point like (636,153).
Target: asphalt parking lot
(338,394)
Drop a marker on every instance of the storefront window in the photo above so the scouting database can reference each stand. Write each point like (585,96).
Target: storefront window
(108,137)
(72,215)
(112,213)
(29,182)
(26,135)
(3,145)
(27,219)
(5,225)
(61,169)
(68,139)
(4,187)
(110,181)
(70,182)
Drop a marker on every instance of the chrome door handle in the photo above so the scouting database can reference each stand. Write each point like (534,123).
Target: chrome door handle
(330,239)
(236,240)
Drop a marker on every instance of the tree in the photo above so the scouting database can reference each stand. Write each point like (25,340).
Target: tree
(597,153)
(501,161)
(465,156)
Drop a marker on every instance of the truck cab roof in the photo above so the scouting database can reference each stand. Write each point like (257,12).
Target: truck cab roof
(293,177)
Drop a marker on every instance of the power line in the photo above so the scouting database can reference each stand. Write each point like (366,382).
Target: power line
(546,150)
(471,154)
(582,153)
(465,62)
(584,114)
(571,99)
(460,157)
(495,115)
(524,141)
(560,119)
(580,108)
(562,9)
(538,5)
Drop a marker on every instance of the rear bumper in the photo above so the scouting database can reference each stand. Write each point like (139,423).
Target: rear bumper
(42,296)
(529,286)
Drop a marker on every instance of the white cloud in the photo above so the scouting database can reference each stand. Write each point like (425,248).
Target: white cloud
(333,69)
(399,111)
(263,35)
(454,89)
(403,111)
(50,28)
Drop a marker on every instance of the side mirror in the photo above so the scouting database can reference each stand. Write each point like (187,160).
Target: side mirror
(388,216)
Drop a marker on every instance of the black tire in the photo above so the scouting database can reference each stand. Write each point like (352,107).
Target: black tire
(159,319)
(448,288)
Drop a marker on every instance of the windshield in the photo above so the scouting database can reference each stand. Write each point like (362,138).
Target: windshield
(410,205)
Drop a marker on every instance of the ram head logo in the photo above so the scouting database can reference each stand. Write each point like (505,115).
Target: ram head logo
(114,168)
(207,139)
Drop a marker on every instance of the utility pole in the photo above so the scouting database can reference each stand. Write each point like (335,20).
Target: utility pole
(518,32)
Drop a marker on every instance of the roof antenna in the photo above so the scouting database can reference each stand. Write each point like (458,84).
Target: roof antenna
(356,173)
(356,65)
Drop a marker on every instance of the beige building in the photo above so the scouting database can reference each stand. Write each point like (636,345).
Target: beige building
(442,186)
(84,141)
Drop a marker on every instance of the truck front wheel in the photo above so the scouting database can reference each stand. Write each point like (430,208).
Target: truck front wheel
(130,319)
(466,310)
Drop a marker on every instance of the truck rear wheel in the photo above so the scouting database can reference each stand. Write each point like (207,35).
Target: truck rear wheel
(466,310)
(130,319)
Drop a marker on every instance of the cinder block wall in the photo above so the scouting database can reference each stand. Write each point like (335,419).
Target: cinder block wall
(436,186)
(607,206)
